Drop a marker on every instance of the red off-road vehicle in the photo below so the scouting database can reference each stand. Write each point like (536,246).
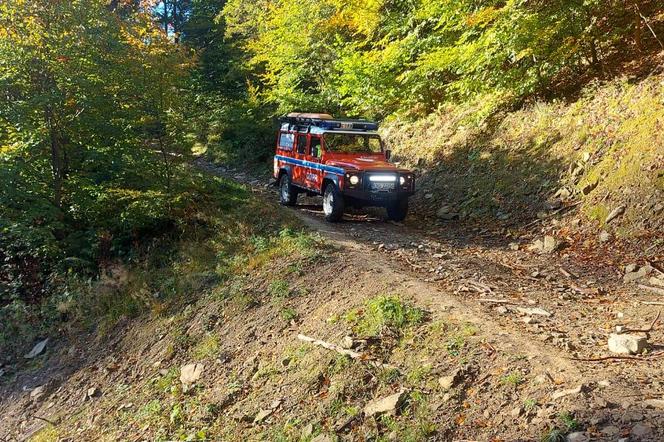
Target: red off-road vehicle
(343,160)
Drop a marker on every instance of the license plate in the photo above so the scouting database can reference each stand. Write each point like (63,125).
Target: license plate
(383,187)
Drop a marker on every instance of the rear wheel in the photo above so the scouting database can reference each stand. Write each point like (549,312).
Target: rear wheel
(398,210)
(287,192)
(333,203)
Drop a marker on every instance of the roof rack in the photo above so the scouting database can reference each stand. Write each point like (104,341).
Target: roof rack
(327,122)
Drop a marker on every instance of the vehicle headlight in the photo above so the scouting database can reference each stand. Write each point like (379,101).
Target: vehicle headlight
(402,180)
(354,180)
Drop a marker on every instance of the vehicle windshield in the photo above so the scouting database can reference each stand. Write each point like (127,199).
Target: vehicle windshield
(352,143)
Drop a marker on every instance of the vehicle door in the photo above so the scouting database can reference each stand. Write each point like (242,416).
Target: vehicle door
(285,148)
(300,153)
(314,171)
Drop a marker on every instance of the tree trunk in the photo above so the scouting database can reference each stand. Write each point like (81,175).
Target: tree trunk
(594,57)
(176,27)
(166,16)
(168,175)
(57,162)
(638,29)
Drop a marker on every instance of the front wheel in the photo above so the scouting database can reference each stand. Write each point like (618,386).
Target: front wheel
(287,192)
(398,210)
(333,203)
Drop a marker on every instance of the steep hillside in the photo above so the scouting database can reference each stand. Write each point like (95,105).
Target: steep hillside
(225,359)
(604,152)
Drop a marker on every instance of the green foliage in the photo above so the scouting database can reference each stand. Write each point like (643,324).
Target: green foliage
(279,289)
(569,424)
(553,435)
(261,58)
(91,146)
(384,312)
(513,379)
(529,404)
(383,56)
(568,421)
(288,314)
(47,434)
(206,348)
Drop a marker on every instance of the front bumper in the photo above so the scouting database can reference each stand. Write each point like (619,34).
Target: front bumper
(371,198)
(369,193)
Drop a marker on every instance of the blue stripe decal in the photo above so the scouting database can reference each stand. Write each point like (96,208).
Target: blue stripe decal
(310,164)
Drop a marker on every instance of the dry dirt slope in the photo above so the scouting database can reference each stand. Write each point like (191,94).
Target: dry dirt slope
(468,370)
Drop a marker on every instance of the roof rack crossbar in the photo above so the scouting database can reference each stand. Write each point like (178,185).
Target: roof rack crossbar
(325,121)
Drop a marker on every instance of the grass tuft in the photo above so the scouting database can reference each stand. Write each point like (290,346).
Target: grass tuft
(384,312)
(206,348)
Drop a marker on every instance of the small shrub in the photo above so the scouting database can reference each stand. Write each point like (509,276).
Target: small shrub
(514,379)
(206,348)
(288,314)
(455,344)
(164,383)
(384,312)
(568,421)
(47,434)
(529,404)
(279,289)
(418,374)
(339,364)
(554,435)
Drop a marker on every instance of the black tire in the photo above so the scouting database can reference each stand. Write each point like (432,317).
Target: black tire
(287,192)
(333,203)
(398,210)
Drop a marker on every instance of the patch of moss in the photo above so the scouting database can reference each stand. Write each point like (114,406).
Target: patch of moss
(598,212)
(206,348)
(47,434)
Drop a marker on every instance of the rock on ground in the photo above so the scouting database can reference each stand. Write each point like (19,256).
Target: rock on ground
(577,436)
(533,311)
(190,373)
(37,349)
(548,245)
(654,403)
(615,213)
(563,393)
(625,344)
(385,405)
(637,273)
(449,381)
(37,392)
(641,431)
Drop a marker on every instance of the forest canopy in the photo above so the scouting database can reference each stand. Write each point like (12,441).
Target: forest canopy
(379,57)
(406,59)
(90,121)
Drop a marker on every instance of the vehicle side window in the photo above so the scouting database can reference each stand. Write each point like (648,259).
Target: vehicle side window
(302,144)
(315,147)
(286,141)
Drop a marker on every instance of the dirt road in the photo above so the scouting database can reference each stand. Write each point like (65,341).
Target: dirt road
(557,309)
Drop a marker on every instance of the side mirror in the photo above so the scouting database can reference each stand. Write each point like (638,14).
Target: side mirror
(388,154)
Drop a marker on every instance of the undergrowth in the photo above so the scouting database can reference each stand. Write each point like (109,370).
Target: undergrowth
(225,234)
